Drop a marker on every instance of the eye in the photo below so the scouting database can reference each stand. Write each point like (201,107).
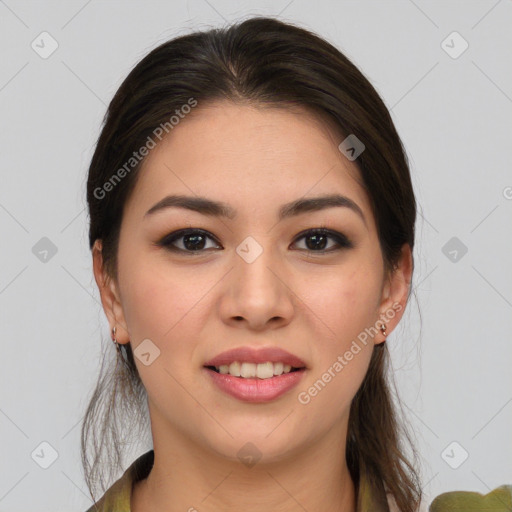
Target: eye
(319,238)
(194,240)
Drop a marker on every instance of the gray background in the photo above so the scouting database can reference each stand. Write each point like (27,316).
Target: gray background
(455,118)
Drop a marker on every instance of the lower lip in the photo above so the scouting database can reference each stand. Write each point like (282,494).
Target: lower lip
(254,389)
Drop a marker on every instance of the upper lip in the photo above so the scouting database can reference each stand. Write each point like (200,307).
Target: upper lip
(256,355)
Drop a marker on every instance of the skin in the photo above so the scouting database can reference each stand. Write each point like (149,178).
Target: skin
(194,307)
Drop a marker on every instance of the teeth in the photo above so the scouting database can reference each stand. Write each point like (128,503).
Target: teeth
(232,369)
(251,370)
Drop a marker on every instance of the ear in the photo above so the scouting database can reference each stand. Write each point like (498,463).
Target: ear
(110,297)
(395,293)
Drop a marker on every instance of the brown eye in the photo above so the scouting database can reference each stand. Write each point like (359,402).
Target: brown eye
(196,241)
(317,240)
(191,240)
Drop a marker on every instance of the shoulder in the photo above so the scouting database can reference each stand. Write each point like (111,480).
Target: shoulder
(497,500)
(393,507)
(118,497)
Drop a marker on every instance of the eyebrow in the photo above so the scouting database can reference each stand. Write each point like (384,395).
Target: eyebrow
(212,208)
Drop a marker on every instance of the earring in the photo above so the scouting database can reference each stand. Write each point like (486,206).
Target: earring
(383,330)
(118,346)
(123,356)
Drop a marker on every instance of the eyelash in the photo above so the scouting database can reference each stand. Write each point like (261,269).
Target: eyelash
(342,241)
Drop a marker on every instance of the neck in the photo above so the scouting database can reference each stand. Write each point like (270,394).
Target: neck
(186,478)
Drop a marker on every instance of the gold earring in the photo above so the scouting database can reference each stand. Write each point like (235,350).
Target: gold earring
(383,330)
(118,346)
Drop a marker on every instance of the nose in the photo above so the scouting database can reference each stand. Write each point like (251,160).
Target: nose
(256,295)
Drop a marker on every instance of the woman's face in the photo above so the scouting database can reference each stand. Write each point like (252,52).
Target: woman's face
(250,280)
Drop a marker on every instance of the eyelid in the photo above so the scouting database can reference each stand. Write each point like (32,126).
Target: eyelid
(341,239)
(180,233)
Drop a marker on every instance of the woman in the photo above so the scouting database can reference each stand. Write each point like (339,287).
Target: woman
(252,227)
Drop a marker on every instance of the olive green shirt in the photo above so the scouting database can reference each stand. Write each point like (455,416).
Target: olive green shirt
(118,496)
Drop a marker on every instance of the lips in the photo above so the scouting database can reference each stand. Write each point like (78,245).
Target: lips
(256,356)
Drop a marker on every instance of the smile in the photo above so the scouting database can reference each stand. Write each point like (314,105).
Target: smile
(247,370)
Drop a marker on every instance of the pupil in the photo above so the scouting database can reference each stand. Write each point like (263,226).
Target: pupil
(196,244)
(317,245)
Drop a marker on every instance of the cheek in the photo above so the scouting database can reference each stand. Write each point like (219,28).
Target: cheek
(342,347)
(162,306)
(342,303)
(156,302)
(341,309)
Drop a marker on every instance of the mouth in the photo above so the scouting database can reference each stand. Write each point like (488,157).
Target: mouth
(248,382)
(249,362)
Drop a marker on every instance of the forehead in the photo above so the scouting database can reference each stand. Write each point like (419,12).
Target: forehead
(251,157)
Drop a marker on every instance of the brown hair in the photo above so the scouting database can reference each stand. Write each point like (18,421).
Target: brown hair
(263,62)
